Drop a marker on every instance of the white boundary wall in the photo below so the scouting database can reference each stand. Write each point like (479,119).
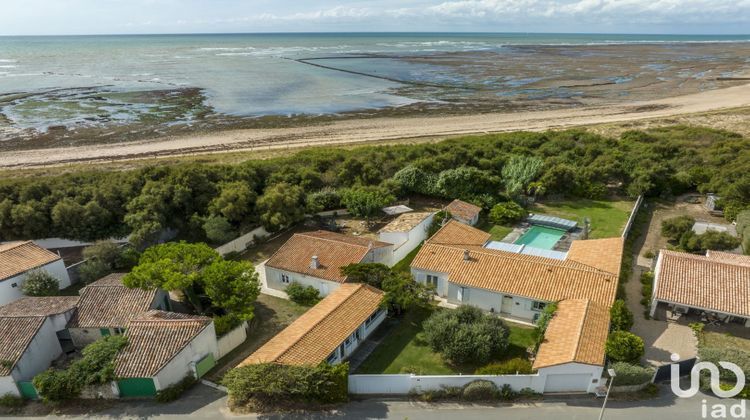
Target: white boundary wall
(406,383)
(243,242)
(231,340)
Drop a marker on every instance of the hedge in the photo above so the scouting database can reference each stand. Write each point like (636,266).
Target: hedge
(303,295)
(628,374)
(508,367)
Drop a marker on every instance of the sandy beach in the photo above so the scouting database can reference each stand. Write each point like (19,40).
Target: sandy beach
(379,129)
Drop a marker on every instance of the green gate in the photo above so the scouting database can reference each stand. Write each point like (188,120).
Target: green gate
(204,365)
(27,390)
(136,387)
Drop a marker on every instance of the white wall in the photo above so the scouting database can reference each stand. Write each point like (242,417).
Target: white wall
(240,244)
(8,386)
(273,280)
(405,242)
(43,349)
(10,293)
(489,300)
(562,376)
(180,365)
(364,331)
(231,340)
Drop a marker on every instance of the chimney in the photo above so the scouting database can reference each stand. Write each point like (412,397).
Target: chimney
(467,257)
(314,263)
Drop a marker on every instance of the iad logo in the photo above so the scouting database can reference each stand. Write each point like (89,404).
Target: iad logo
(715,411)
(714,379)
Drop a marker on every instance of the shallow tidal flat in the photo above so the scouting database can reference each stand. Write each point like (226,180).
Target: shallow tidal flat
(510,78)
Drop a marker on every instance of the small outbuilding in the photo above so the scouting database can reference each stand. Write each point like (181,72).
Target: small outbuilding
(17,259)
(406,232)
(464,212)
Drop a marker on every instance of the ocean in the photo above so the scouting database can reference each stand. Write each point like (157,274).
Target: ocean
(93,80)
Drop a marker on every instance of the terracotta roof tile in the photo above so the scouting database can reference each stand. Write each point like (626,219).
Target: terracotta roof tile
(333,250)
(107,303)
(317,333)
(729,257)
(405,222)
(604,254)
(717,282)
(19,257)
(463,210)
(39,306)
(155,338)
(457,233)
(577,333)
(16,334)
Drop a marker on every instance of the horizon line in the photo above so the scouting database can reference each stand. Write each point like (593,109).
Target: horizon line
(380,32)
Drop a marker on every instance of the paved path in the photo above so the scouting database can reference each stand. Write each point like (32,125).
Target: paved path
(206,403)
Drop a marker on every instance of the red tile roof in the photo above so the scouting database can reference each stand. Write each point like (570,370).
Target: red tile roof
(39,306)
(107,303)
(19,257)
(463,210)
(16,334)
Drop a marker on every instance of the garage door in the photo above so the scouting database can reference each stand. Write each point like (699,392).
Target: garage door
(136,387)
(567,383)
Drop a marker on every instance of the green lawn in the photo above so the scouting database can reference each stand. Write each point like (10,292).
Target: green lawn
(403,265)
(608,218)
(724,340)
(497,232)
(404,347)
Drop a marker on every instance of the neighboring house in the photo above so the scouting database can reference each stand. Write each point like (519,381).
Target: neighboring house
(518,286)
(316,258)
(572,354)
(464,212)
(406,232)
(106,306)
(17,259)
(329,332)
(30,340)
(716,283)
(163,348)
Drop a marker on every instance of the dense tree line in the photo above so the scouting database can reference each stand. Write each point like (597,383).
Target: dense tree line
(213,202)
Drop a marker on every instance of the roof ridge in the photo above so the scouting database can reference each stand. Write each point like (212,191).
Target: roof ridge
(322,318)
(333,240)
(534,258)
(705,258)
(580,328)
(16,244)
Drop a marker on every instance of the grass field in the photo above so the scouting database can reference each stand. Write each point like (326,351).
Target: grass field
(403,265)
(608,218)
(720,340)
(404,347)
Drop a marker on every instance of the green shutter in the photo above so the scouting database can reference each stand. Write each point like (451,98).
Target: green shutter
(136,387)
(27,390)
(104,332)
(204,365)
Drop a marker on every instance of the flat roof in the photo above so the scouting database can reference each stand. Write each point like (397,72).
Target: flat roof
(405,222)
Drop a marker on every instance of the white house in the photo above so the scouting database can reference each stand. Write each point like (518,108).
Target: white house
(517,286)
(464,212)
(30,340)
(329,332)
(163,348)
(106,306)
(17,259)
(316,258)
(406,232)
(715,284)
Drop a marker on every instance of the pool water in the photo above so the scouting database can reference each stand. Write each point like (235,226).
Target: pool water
(540,237)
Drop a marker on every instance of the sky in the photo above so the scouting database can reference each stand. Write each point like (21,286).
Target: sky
(69,17)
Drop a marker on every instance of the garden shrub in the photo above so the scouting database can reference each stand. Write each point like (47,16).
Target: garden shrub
(620,316)
(441,218)
(174,391)
(11,401)
(507,393)
(93,270)
(271,384)
(40,283)
(629,374)
(508,367)
(507,213)
(466,334)
(675,227)
(325,199)
(416,370)
(623,346)
(711,240)
(303,295)
(480,390)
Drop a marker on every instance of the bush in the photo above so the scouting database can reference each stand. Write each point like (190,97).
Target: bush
(57,385)
(675,227)
(480,391)
(735,355)
(416,370)
(620,316)
(325,199)
(303,295)
(507,213)
(225,323)
(174,391)
(508,367)
(623,346)
(466,335)
(649,254)
(92,270)
(440,219)
(629,374)
(218,229)
(273,384)
(40,283)
(542,322)
(11,401)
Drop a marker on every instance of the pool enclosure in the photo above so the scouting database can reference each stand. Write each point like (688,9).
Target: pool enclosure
(551,221)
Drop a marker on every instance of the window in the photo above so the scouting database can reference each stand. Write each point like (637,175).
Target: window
(14,285)
(285,279)
(348,341)
(461,294)
(373,317)
(432,281)
(332,358)
(538,306)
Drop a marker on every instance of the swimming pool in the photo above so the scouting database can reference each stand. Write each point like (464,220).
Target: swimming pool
(541,237)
